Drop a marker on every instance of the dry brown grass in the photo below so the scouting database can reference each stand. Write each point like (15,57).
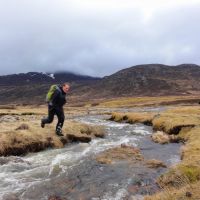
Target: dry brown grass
(185,176)
(183,193)
(191,151)
(39,110)
(153,163)
(22,134)
(148,101)
(163,138)
(160,137)
(123,152)
(142,117)
(10,107)
(172,123)
(23,110)
(73,127)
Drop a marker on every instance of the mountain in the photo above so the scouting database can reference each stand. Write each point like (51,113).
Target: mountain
(152,79)
(140,80)
(27,88)
(42,78)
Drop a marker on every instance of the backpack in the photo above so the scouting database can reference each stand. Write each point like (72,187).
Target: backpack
(50,93)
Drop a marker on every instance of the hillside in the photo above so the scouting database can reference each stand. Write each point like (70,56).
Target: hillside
(154,79)
(26,88)
(42,78)
(140,80)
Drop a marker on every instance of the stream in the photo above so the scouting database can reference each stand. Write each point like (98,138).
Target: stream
(72,173)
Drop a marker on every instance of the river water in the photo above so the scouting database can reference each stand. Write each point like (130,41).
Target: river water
(73,173)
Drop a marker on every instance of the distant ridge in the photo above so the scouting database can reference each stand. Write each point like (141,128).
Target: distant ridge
(41,78)
(153,79)
(139,80)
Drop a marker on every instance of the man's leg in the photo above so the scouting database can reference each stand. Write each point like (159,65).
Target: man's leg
(49,119)
(61,119)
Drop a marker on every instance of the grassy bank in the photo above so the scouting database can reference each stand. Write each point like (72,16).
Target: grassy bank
(99,106)
(183,180)
(20,132)
(148,101)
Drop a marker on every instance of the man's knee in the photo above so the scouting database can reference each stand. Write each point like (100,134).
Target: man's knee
(48,120)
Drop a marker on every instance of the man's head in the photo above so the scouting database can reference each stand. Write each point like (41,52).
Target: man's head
(65,87)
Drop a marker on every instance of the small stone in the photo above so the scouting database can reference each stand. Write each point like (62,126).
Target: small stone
(188,194)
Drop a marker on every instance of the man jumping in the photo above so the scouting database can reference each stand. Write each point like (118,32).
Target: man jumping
(55,107)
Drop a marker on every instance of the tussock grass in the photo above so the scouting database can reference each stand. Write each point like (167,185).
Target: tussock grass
(174,120)
(20,130)
(160,137)
(8,107)
(184,177)
(123,152)
(148,101)
(142,117)
(25,110)
(172,123)
(118,117)
(41,110)
(188,192)
(19,140)
(153,163)
(185,110)
(85,129)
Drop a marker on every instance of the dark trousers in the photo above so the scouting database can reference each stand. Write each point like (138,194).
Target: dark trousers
(59,112)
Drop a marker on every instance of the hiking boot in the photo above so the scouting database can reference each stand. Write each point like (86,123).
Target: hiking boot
(42,124)
(59,132)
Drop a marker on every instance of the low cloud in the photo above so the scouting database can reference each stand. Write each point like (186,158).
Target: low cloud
(96,37)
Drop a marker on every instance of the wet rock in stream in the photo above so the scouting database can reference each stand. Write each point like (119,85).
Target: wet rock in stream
(6,160)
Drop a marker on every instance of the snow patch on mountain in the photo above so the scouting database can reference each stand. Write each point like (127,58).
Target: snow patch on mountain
(49,75)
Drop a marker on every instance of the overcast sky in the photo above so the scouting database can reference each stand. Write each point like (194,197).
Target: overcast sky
(97,37)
